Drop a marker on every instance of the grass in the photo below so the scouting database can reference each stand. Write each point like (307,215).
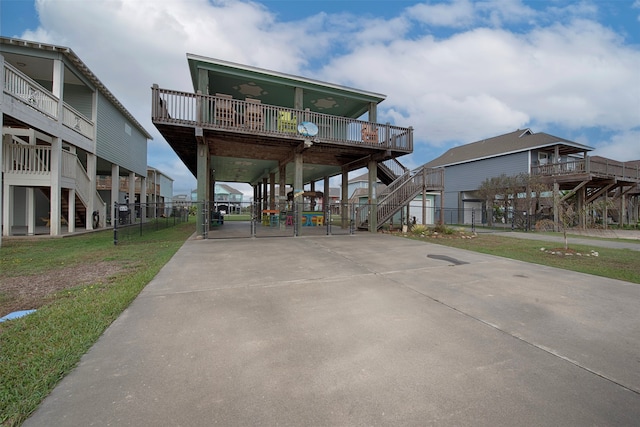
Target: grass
(38,350)
(621,264)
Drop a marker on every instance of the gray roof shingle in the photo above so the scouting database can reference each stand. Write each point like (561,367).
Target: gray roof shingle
(519,140)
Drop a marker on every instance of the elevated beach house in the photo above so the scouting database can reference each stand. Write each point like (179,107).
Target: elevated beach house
(61,129)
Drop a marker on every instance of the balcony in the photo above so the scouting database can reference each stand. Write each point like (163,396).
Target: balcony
(594,168)
(222,113)
(29,93)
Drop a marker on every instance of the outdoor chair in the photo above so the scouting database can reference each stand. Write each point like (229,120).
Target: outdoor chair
(369,133)
(287,122)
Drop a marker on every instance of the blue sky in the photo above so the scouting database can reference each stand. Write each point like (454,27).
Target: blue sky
(457,71)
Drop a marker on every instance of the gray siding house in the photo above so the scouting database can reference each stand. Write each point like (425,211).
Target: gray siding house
(61,130)
(467,166)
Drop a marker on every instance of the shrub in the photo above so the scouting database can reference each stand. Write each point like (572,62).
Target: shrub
(419,229)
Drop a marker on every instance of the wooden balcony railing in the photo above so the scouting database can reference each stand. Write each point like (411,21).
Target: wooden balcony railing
(24,89)
(104,183)
(223,113)
(600,168)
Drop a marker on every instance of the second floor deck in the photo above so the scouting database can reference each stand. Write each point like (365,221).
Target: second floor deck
(249,116)
(28,93)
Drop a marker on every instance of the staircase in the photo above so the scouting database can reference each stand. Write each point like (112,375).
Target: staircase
(30,165)
(81,210)
(403,185)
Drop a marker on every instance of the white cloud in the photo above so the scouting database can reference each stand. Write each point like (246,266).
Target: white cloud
(624,146)
(457,14)
(484,81)
(467,84)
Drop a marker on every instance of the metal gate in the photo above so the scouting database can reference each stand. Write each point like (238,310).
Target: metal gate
(287,220)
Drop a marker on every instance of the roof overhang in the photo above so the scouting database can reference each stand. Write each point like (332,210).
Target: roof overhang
(276,88)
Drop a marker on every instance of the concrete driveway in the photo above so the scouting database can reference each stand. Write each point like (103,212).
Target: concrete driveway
(359,330)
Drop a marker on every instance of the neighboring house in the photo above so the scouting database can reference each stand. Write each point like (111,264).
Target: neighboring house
(359,188)
(61,129)
(228,199)
(559,162)
(159,192)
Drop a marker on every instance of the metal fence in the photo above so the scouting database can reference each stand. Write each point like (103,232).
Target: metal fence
(286,219)
(130,220)
(472,218)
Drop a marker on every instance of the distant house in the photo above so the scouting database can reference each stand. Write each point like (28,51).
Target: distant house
(159,192)
(61,130)
(228,199)
(557,161)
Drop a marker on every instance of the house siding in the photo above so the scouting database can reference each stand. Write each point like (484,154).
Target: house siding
(166,187)
(80,98)
(115,144)
(469,176)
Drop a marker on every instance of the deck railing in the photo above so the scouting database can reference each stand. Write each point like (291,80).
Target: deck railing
(26,159)
(29,92)
(589,165)
(223,113)
(104,183)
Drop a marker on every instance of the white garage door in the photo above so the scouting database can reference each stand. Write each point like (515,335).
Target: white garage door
(469,208)
(415,209)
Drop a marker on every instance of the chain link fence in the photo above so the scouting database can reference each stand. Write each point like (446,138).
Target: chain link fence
(130,220)
(285,219)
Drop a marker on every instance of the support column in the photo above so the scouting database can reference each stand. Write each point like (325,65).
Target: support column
(424,204)
(272,191)
(556,201)
(71,220)
(55,200)
(326,196)
(298,188)
(373,202)
(265,193)
(622,208)
(203,184)
(7,202)
(344,199)
(282,184)
(132,196)
(115,193)
(91,197)
(31,210)
(143,199)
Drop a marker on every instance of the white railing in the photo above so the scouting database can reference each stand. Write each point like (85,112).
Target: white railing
(68,165)
(28,91)
(83,183)
(27,159)
(233,115)
(76,121)
(24,89)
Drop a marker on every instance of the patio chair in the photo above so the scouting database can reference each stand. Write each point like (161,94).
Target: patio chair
(287,122)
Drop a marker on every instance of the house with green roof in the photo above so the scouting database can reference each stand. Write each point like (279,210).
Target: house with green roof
(272,130)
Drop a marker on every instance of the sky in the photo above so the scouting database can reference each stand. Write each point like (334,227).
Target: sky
(456,71)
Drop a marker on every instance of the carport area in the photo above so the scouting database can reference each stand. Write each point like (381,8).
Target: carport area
(367,329)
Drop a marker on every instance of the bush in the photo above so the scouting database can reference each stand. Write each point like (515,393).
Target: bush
(418,229)
(443,229)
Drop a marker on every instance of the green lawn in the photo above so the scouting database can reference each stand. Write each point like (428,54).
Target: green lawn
(622,264)
(38,350)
